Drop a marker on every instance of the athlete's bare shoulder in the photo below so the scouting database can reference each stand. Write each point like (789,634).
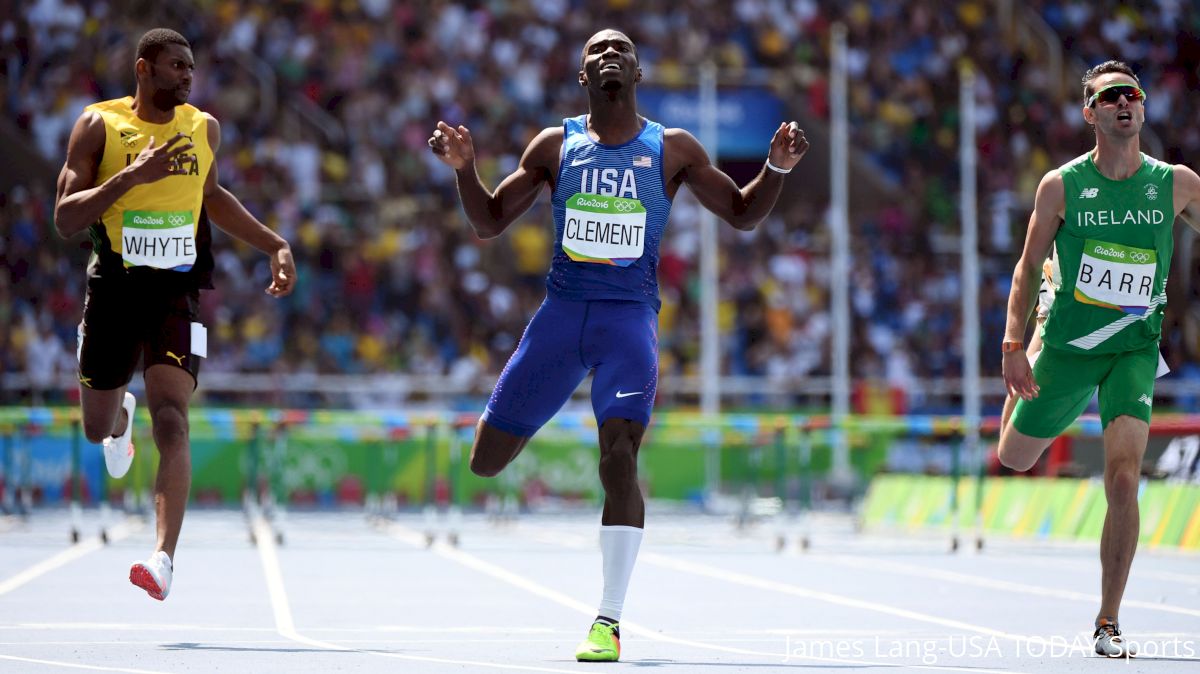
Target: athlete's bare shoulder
(212,130)
(86,143)
(1051,195)
(682,142)
(1186,189)
(544,152)
(1186,180)
(681,151)
(548,139)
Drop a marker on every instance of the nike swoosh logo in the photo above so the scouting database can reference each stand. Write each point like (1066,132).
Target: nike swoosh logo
(581,162)
(626,395)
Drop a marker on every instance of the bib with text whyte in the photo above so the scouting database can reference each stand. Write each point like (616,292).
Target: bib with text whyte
(158,239)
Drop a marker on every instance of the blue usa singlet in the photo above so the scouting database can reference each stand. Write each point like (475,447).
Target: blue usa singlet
(610,210)
(600,313)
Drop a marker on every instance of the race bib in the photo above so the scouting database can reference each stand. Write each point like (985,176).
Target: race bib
(1116,277)
(604,230)
(159,239)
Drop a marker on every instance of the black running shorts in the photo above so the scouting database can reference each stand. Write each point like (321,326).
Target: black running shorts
(124,319)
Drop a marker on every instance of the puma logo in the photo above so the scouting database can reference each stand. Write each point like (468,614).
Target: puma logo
(178,359)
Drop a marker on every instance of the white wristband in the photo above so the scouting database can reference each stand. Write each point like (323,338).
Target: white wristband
(776,168)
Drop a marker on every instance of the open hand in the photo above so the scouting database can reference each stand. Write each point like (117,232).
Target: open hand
(155,163)
(788,146)
(1018,376)
(453,146)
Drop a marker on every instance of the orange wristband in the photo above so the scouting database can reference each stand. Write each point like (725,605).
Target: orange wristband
(1009,346)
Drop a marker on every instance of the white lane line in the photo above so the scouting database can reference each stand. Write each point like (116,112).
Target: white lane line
(1094,567)
(413,537)
(71,665)
(716,573)
(287,628)
(696,568)
(130,627)
(994,584)
(133,627)
(62,558)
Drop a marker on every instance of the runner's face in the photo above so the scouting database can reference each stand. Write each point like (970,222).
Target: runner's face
(1123,118)
(610,62)
(171,76)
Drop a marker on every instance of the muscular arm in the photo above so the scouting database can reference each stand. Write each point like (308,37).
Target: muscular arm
(490,213)
(1187,195)
(743,208)
(80,201)
(228,213)
(1048,207)
(687,162)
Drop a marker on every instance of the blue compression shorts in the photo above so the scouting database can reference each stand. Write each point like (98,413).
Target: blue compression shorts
(566,339)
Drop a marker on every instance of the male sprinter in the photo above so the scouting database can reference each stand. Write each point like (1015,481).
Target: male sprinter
(1110,215)
(140,178)
(612,176)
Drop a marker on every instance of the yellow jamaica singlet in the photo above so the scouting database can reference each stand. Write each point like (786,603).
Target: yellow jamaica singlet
(158,225)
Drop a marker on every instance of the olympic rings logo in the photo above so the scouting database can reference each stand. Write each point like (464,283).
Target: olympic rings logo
(625,206)
(1139,257)
(176,220)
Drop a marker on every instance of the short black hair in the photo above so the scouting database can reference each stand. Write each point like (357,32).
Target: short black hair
(155,40)
(1102,69)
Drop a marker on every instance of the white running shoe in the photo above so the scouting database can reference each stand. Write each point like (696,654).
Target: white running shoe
(153,575)
(1109,641)
(118,451)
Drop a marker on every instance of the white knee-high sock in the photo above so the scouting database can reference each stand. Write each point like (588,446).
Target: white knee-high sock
(619,547)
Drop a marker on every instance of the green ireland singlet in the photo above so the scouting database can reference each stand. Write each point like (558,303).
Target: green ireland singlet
(1114,249)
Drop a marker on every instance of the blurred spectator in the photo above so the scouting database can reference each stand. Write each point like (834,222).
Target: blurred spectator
(325,109)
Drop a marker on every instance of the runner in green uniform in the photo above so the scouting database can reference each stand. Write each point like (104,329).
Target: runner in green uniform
(1110,215)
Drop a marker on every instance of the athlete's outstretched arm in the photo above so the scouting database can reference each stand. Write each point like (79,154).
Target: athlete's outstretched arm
(1048,207)
(491,212)
(746,207)
(232,217)
(80,201)
(1187,195)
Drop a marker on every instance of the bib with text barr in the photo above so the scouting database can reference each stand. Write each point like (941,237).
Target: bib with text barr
(610,210)
(154,225)
(1114,249)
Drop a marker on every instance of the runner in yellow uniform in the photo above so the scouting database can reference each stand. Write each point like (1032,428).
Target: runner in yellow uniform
(140,177)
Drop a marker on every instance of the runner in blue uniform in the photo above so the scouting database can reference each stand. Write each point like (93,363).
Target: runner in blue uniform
(612,176)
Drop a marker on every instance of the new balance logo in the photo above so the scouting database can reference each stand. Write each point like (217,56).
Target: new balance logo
(1146,399)
(626,395)
(1089,193)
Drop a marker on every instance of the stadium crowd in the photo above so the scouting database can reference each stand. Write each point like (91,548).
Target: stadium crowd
(325,108)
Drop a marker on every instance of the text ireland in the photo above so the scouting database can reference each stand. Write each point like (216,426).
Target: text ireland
(1106,218)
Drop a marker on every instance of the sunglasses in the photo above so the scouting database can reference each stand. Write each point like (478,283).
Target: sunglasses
(1113,93)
